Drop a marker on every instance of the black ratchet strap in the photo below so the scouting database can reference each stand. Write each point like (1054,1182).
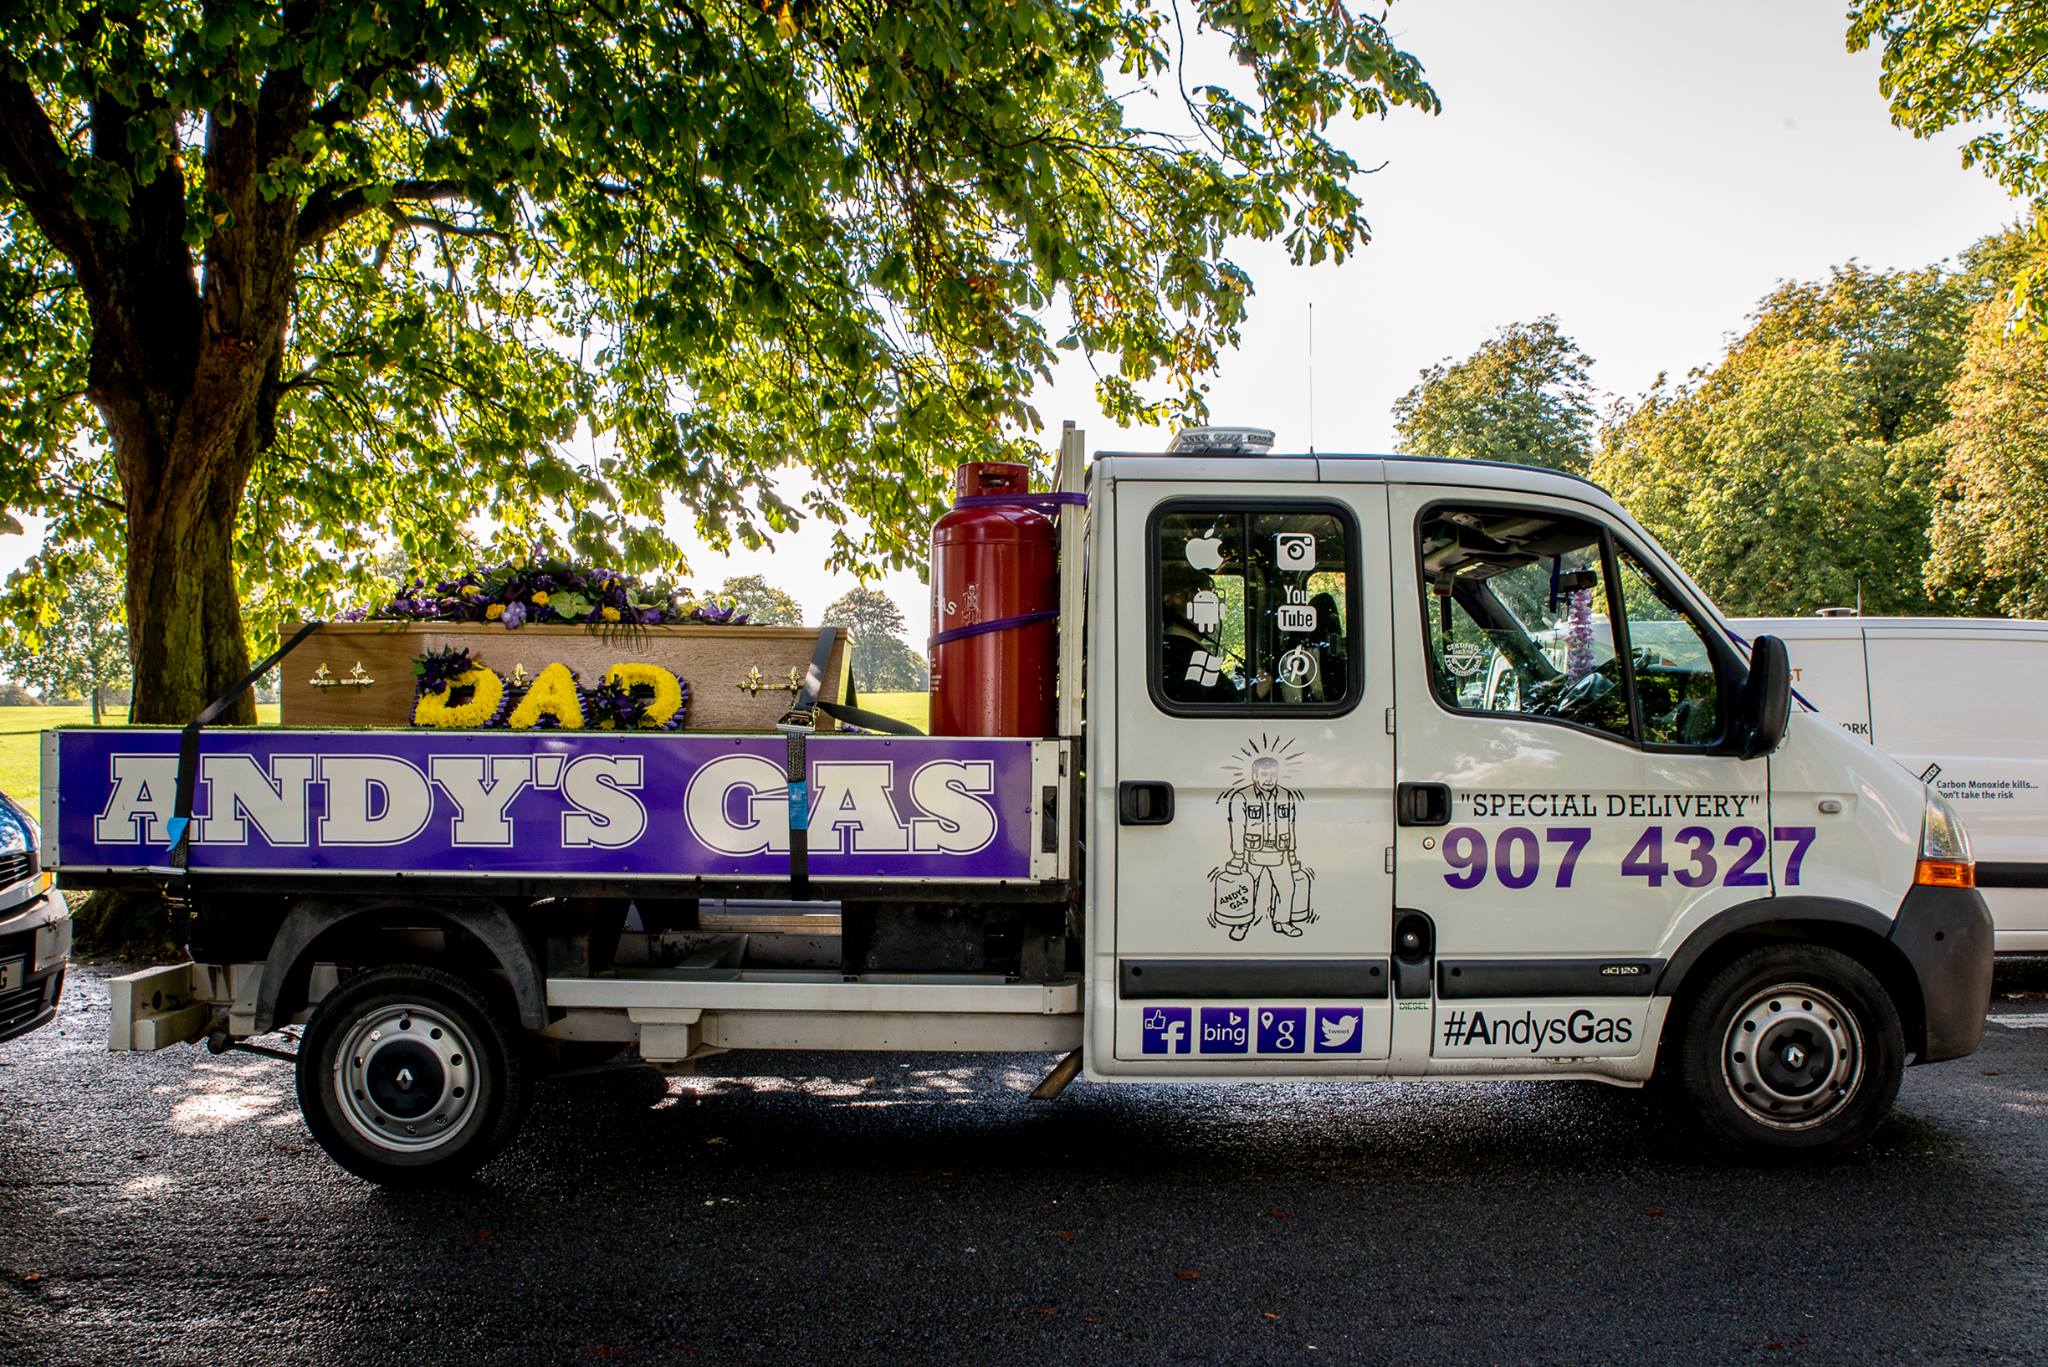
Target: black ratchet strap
(188,745)
(853,714)
(796,727)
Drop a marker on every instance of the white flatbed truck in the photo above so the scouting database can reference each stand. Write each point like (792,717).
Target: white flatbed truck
(1372,785)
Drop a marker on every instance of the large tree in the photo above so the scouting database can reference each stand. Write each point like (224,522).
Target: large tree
(1989,537)
(1979,64)
(1800,472)
(74,642)
(764,604)
(281,280)
(1523,396)
(882,661)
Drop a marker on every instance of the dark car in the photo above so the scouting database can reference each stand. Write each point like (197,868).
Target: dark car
(35,928)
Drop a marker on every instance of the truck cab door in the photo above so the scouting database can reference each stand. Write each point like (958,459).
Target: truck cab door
(1566,708)
(1248,927)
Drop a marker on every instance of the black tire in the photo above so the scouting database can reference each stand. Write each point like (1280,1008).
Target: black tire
(1791,1049)
(435,1082)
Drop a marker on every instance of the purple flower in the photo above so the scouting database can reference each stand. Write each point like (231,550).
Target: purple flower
(515,613)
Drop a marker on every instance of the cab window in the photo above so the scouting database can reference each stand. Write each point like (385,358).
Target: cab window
(1537,614)
(1518,617)
(1252,610)
(1677,691)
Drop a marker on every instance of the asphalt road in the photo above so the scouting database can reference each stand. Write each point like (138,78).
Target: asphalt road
(170,1208)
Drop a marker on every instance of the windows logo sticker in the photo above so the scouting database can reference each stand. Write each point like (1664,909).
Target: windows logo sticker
(1165,1030)
(1204,668)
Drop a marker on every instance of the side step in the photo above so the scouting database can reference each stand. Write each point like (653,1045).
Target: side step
(681,1013)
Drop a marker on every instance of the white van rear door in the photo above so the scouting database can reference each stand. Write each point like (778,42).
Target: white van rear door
(1254,782)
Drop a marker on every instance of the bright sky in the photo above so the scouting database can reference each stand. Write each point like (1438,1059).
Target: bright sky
(1644,170)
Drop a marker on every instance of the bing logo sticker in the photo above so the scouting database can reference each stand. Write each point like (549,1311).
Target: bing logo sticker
(1226,1029)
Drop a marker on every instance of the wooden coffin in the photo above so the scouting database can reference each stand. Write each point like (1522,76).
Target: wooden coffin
(740,678)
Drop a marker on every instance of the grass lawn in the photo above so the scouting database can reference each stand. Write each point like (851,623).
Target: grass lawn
(914,708)
(21,753)
(21,740)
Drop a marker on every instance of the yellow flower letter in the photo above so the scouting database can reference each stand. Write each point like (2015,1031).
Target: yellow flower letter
(553,695)
(433,709)
(668,691)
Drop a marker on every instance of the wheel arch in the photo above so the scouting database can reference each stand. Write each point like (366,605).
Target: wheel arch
(313,928)
(1861,932)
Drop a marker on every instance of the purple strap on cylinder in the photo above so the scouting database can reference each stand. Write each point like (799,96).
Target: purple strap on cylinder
(993,624)
(1038,502)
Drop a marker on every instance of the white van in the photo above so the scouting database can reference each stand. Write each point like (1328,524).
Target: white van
(1390,769)
(1958,701)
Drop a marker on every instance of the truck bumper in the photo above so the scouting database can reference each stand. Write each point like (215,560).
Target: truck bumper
(36,935)
(1946,935)
(157,1008)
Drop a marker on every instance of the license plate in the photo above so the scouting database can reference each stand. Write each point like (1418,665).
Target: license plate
(12,971)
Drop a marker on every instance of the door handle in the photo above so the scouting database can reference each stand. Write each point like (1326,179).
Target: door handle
(1144,802)
(1422,804)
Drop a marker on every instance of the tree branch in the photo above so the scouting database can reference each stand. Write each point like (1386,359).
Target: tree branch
(327,211)
(34,162)
(438,225)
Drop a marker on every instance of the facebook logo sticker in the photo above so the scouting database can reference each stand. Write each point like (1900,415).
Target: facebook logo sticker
(1338,1030)
(1166,1030)
(1282,1029)
(1226,1029)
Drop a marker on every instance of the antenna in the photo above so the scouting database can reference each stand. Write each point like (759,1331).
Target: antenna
(1311,377)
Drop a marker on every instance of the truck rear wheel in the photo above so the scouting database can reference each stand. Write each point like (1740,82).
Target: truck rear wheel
(1792,1049)
(409,1075)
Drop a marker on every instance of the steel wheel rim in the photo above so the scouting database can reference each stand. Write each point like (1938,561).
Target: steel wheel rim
(1793,1056)
(406,1078)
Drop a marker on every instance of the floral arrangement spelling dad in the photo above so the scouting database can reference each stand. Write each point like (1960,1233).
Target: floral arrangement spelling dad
(452,689)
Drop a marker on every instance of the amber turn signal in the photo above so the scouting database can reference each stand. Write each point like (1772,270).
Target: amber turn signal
(1945,873)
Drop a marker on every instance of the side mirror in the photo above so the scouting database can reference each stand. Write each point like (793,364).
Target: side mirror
(1766,704)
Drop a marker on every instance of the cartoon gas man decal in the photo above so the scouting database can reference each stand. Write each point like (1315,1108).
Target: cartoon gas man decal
(1264,877)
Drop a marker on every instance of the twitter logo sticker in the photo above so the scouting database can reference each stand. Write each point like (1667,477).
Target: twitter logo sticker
(1339,1030)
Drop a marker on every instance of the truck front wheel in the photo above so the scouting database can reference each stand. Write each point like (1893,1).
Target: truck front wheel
(409,1075)
(1792,1048)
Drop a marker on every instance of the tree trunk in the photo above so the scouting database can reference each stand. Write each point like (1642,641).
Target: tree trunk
(184,611)
(95,704)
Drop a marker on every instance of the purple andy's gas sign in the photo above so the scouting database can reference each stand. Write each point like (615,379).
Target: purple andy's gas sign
(565,804)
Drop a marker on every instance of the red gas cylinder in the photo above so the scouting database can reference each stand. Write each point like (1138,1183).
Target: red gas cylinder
(995,596)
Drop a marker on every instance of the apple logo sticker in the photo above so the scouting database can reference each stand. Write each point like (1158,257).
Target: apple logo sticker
(1205,552)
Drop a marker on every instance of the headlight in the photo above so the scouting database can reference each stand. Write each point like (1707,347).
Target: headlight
(1945,860)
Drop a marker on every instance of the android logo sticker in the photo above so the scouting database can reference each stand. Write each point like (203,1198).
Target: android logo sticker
(1205,610)
(1264,877)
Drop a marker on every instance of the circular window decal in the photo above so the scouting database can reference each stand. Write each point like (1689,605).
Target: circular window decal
(1464,658)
